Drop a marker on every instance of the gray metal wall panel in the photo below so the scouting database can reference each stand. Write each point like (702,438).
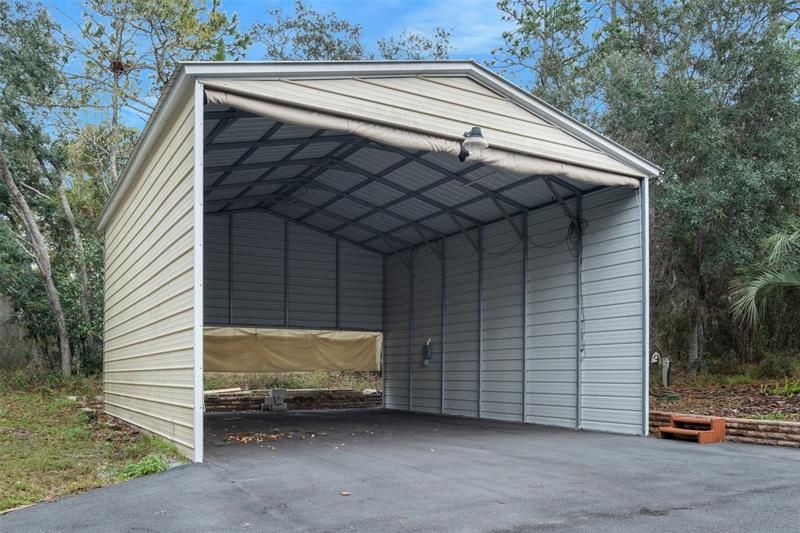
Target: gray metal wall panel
(503,322)
(611,370)
(258,276)
(360,288)
(461,327)
(396,333)
(427,324)
(552,330)
(215,265)
(258,257)
(312,279)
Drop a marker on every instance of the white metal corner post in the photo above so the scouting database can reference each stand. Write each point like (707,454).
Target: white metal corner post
(198,271)
(644,199)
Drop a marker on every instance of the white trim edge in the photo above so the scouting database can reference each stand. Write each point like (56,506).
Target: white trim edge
(198,272)
(644,195)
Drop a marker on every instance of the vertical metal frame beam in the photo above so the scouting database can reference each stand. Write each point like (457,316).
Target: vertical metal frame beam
(578,314)
(230,269)
(443,264)
(285,273)
(197,349)
(383,330)
(480,321)
(338,320)
(410,329)
(525,317)
(644,201)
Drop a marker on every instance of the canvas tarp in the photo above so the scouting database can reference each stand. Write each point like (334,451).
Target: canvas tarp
(242,96)
(231,349)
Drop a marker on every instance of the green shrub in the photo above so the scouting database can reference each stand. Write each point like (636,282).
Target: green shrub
(777,366)
(148,465)
(788,388)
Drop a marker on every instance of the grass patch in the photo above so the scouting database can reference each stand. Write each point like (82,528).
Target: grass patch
(791,417)
(708,379)
(147,465)
(49,448)
(293,380)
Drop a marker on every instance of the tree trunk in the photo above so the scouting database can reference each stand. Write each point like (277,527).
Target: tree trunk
(697,339)
(113,153)
(86,293)
(42,261)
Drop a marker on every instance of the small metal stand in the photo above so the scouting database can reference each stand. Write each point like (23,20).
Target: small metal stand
(666,368)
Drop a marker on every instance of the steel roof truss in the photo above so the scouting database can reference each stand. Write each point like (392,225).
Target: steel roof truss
(347,138)
(559,199)
(231,168)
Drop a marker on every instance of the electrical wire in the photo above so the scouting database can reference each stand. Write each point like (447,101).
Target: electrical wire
(572,239)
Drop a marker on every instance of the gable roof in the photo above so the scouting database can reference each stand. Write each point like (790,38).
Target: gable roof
(415,95)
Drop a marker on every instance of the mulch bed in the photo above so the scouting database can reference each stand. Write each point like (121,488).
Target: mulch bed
(744,401)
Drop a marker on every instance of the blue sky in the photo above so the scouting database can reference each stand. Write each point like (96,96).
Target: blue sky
(476,24)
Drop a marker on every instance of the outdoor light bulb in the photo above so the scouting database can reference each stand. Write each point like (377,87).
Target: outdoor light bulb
(474,140)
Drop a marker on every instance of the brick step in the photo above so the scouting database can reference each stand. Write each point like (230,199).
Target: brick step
(693,420)
(682,431)
(702,436)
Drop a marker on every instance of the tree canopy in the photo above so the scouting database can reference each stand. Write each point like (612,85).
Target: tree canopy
(707,89)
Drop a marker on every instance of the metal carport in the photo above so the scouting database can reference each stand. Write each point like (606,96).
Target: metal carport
(337,196)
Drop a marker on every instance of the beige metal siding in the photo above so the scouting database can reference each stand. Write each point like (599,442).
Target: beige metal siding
(439,105)
(149,258)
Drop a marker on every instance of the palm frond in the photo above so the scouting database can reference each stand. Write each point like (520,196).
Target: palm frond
(750,292)
(785,245)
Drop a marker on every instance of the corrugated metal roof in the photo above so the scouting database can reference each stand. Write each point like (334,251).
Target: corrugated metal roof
(384,198)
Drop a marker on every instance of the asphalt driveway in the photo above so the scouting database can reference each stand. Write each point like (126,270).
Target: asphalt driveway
(382,471)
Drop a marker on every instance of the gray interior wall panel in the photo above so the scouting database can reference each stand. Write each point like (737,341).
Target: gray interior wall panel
(611,369)
(427,316)
(257,276)
(312,279)
(360,288)
(396,334)
(215,263)
(258,264)
(503,322)
(461,327)
(611,296)
(551,318)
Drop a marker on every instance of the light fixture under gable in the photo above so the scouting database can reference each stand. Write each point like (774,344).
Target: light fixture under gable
(473,140)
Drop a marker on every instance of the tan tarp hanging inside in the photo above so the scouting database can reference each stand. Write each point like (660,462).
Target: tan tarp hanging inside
(230,349)
(242,96)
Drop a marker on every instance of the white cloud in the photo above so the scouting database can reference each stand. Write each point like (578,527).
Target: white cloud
(476,24)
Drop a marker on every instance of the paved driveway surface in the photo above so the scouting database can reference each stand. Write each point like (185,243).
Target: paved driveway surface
(425,473)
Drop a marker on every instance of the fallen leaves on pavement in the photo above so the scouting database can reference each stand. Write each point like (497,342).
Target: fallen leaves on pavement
(247,438)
